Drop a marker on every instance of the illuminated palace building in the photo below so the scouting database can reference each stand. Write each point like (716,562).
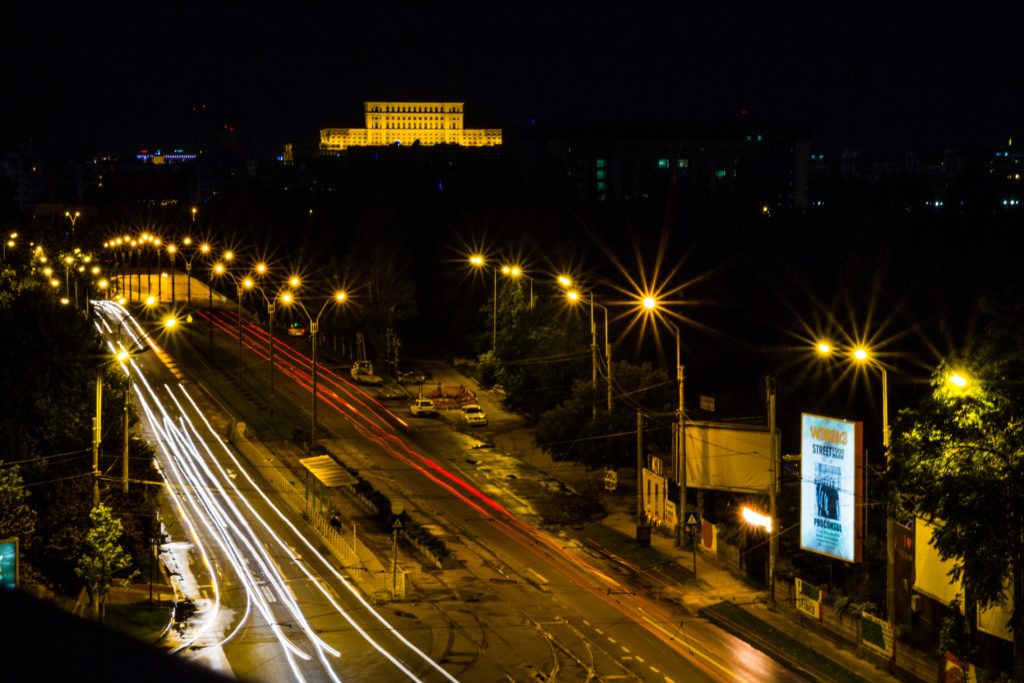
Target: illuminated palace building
(409,123)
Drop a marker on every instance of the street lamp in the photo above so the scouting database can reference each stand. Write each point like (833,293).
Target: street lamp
(515,272)
(314,323)
(574,296)
(186,243)
(863,357)
(242,285)
(73,217)
(271,308)
(172,250)
(122,357)
(651,304)
(10,242)
(512,271)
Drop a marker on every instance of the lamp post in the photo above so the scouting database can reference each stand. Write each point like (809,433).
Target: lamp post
(681,444)
(574,296)
(10,242)
(73,217)
(863,357)
(314,323)
(271,309)
(512,271)
(650,304)
(68,262)
(159,245)
(123,357)
(242,285)
(186,243)
(172,250)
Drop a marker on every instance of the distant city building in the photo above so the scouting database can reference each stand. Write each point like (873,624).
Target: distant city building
(159,157)
(765,166)
(408,123)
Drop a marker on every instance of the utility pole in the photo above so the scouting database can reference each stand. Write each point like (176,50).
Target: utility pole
(773,510)
(395,528)
(593,351)
(643,531)
(124,457)
(681,445)
(97,432)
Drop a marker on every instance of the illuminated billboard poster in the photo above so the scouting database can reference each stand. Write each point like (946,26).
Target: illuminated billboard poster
(8,563)
(831,487)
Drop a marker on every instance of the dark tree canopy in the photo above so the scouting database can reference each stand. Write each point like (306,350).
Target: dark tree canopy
(958,457)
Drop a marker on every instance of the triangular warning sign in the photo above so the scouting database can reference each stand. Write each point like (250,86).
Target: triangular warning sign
(691,519)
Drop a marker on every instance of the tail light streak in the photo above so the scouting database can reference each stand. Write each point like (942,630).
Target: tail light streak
(206,496)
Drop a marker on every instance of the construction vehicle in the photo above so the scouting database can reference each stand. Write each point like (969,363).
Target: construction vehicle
(362,368)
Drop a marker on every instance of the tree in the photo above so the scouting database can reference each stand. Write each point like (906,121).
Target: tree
(102,557)
(378,264)
(17,518)
(959,457)
(570,431)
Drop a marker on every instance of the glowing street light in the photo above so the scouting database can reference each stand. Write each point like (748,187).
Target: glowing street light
(512,271)
(172,250)
(122,357)
(650,304)
(271,308)
(574,296)
(289,298)
(756,519)
(73,217)
(864,357)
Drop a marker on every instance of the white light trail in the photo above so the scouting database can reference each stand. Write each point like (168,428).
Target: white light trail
(209,499)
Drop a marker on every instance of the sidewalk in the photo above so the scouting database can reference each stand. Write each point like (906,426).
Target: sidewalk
(716,593)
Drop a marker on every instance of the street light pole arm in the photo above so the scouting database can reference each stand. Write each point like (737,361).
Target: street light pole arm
(607,351)
(885,410)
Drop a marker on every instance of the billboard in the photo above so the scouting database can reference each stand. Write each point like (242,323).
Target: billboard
(831,486)
(728,457)
(931,572)
(8,563)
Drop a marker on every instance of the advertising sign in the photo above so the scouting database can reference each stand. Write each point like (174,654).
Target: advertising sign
(8,563)
(876,634)
(831,487)
(808,598)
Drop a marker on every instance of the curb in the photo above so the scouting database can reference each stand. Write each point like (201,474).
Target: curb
(718,615)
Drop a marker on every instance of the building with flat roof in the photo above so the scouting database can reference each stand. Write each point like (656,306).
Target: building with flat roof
(409,123)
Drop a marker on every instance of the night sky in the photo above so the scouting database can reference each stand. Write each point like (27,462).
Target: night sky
(110,77)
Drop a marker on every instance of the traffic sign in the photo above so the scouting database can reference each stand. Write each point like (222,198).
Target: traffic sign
(691,519)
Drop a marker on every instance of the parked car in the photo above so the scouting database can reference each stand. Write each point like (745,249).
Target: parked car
(423,407)
(411,377)
(411,374)
(474,415)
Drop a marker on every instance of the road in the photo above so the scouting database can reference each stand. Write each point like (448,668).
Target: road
(530,603)
(271,606)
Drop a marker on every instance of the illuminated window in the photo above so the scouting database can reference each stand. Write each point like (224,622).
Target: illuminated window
(683,163)
(720,173)
(600,175)
(662,163)
(602,186)
(601,163)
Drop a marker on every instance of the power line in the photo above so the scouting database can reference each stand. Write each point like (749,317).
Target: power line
(42,458)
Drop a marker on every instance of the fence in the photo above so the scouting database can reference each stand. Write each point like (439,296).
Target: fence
(280,478)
